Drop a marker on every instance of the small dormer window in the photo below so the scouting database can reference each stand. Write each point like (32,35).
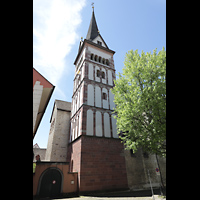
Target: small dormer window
(99,43)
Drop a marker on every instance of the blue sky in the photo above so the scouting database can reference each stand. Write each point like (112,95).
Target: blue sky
(58,26)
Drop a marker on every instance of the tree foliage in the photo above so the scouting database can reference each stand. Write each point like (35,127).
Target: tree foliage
(140,98)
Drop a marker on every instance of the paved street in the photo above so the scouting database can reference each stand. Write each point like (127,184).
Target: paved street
(156,197)
(124,195)
(121,195)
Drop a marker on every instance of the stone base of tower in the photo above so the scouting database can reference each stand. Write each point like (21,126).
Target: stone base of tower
(100,163)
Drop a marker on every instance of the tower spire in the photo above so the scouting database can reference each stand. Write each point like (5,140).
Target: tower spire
(92,6)
(93,29)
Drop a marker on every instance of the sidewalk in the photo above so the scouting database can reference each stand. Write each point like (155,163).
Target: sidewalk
(117,195)
(122,195)
(156,197)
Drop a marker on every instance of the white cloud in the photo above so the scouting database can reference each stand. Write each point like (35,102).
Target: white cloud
(54,32)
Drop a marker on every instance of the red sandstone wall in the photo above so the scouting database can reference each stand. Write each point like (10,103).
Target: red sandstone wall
(101,165)
(74,157)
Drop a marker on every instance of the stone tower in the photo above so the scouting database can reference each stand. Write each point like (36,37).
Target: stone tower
(59,132)
(94,149)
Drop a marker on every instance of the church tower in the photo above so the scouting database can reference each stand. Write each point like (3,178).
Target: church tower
(94,149)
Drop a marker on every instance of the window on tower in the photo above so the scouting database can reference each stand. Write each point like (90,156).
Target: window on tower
(104,96)
(98,73)
(103,75)
(92,56)
(99,59)
(99,43)
(96,57)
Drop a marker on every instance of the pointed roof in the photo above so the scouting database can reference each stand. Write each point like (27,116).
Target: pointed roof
(36,146)
(92,38)
(93,29)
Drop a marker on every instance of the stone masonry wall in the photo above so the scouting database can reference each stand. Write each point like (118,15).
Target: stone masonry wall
(59,133)
(137,166)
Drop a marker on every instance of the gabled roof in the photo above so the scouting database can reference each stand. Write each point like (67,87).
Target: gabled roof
(102,40)
(47,91)
(36,146)
(38,77)
(61,105)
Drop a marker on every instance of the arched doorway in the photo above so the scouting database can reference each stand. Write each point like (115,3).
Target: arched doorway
(50,183)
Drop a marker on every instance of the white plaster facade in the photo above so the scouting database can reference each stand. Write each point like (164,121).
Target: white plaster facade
(107,132)
(98,38)
(37,94)
(97,96)
(92,100)
(90,122)
(98,124)
(94,75)
(100,53)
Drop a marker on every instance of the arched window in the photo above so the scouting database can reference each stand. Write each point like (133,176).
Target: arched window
(107,62)
(103,74)
(103,61)
(98,73)
(96,58)
(100,59)
(92,56)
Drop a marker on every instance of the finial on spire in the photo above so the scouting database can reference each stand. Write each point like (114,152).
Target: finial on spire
(92,5)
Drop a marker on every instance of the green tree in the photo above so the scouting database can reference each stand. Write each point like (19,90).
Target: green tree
(140,98)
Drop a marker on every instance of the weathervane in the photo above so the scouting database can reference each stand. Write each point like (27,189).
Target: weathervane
(92,5)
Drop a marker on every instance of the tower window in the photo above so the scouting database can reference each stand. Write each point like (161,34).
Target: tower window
(99,43)
(98,73)
(92,56)
(104,96)
(107,62)
(103,74)
(96,57)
